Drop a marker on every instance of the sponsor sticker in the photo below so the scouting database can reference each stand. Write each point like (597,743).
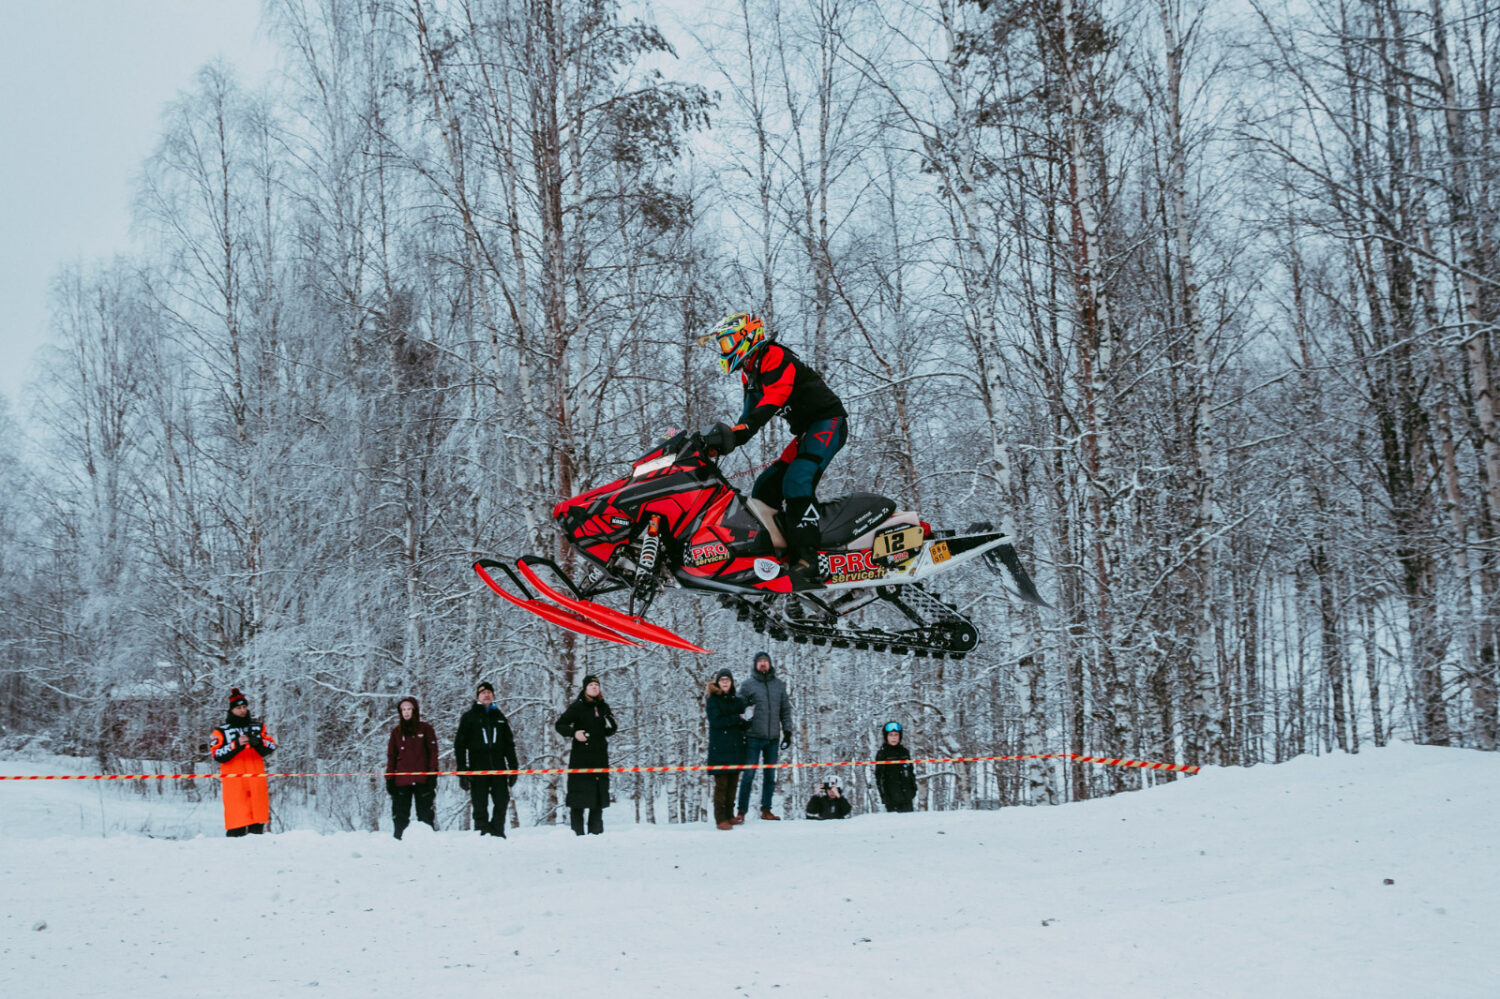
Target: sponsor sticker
(939,552)
(767,568)
(707,554)
(852,567)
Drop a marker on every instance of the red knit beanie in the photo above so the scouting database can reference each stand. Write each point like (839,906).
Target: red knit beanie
(236,698)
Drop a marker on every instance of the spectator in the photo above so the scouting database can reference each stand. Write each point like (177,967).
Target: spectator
(896,782)
(411,747)
(588,723)
(829,803)
(240,746)
(726,742)
(485,742)
(770,719)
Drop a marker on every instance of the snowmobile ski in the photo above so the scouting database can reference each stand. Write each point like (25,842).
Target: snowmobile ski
(609,617)
(557,615)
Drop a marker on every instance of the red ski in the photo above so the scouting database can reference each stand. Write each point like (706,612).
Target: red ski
(583,616)
(557,615)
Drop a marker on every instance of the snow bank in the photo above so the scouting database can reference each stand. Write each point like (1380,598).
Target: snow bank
(1372,875)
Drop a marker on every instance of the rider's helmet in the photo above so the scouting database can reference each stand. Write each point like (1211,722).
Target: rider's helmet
(738,336)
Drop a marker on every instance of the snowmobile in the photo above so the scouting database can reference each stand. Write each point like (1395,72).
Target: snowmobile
(676,521)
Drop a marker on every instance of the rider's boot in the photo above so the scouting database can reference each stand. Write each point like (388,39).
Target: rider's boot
(802,538)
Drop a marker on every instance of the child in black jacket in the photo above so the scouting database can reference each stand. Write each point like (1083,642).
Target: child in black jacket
(896,782)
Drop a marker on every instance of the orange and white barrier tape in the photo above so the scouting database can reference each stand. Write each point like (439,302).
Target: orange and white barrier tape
(1102,760)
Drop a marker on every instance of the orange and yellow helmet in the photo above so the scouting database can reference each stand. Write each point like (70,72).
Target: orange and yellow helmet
(737,336)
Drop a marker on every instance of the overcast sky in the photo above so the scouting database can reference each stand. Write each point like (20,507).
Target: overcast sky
(82,87)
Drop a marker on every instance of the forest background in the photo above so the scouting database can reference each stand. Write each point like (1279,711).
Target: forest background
(1197,299)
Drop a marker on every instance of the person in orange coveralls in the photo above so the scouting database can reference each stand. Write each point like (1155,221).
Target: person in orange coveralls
(240,746)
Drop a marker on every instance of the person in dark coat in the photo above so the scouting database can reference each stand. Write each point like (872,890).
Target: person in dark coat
(485,742)
(770,725)
(726,742)
(829,803)
(587,724)
(412,747)
(896,782)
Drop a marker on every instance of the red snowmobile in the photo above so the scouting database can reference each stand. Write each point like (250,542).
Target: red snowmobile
(675,520)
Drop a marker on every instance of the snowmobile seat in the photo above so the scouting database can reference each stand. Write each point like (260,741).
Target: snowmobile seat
(846,522)
(847,518)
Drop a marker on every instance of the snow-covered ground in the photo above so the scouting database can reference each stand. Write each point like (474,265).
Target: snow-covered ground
(1372,875)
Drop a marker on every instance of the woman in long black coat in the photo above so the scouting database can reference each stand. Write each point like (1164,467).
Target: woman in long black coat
(726,743)
(587,724)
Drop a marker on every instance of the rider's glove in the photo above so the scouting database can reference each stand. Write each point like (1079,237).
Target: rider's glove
(720,439)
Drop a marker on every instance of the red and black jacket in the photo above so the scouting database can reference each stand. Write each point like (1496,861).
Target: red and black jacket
(778,381)
(239,734)
(412,748)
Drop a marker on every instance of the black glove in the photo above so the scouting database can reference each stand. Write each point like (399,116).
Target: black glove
(720,439)
(390,785)
(511,780)
(786,740)
(463,782)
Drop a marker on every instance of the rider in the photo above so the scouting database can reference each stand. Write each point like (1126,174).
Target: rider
(778,381)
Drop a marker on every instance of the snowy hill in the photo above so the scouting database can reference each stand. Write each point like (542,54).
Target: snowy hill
(1372,875)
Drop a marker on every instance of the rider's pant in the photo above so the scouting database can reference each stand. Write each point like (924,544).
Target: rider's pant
(796,473)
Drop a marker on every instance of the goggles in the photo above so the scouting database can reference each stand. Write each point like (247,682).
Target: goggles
(892,727)
(728,343)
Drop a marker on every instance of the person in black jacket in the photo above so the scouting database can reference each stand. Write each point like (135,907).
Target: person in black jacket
(726,742)
(829,803)
(896,782)
(587,724)
(485,742)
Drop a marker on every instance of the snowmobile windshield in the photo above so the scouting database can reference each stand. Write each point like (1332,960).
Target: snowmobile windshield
(669,452)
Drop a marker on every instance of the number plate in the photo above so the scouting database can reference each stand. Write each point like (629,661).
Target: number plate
(939,551)
(888,543)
